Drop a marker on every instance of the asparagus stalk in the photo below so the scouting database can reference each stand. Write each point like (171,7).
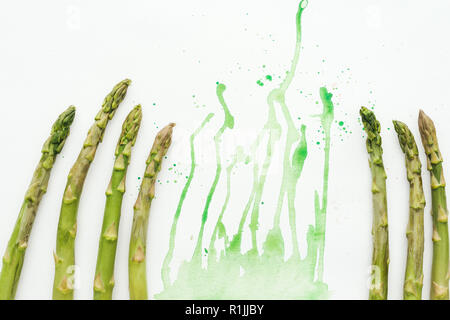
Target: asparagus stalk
(136,263)
(440,265)
(104,273)
(63,285)
(15,252)
(412,289)
(380,256)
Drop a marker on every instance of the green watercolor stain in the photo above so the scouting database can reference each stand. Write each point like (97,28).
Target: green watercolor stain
(269,77)
(261,272)
(260,83)
(341,123)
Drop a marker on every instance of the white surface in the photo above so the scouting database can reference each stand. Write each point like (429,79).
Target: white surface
(57,53)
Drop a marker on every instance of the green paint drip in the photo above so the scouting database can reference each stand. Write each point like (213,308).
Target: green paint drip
(232,273)
(236,241)
(169,256)
(316,239)
(219,229)
(228,123)
(273,129)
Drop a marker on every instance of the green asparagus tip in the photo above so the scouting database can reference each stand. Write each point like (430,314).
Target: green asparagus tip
(370,122)
(165,135)
(425,122)
(125,82)
(167,130)
(66,118)
(400,128)
(131,126)
(60,131)
(405,138)
(121,87)
(427,130)
(115,97)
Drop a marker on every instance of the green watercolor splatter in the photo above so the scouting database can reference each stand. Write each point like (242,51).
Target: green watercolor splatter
(259,273)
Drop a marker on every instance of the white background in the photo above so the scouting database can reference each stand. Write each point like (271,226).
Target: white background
(393,54)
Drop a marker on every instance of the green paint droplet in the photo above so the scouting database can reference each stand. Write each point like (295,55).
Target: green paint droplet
(269,77)
(341,123)
(260,83)
(318,142)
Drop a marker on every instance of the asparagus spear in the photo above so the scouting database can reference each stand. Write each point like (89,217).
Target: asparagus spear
(412,289)
(440,265)
(104,274)
(380,256)
(136,263)
(15,252)
(67,226)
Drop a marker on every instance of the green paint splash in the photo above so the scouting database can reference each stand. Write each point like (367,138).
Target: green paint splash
(259,273)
